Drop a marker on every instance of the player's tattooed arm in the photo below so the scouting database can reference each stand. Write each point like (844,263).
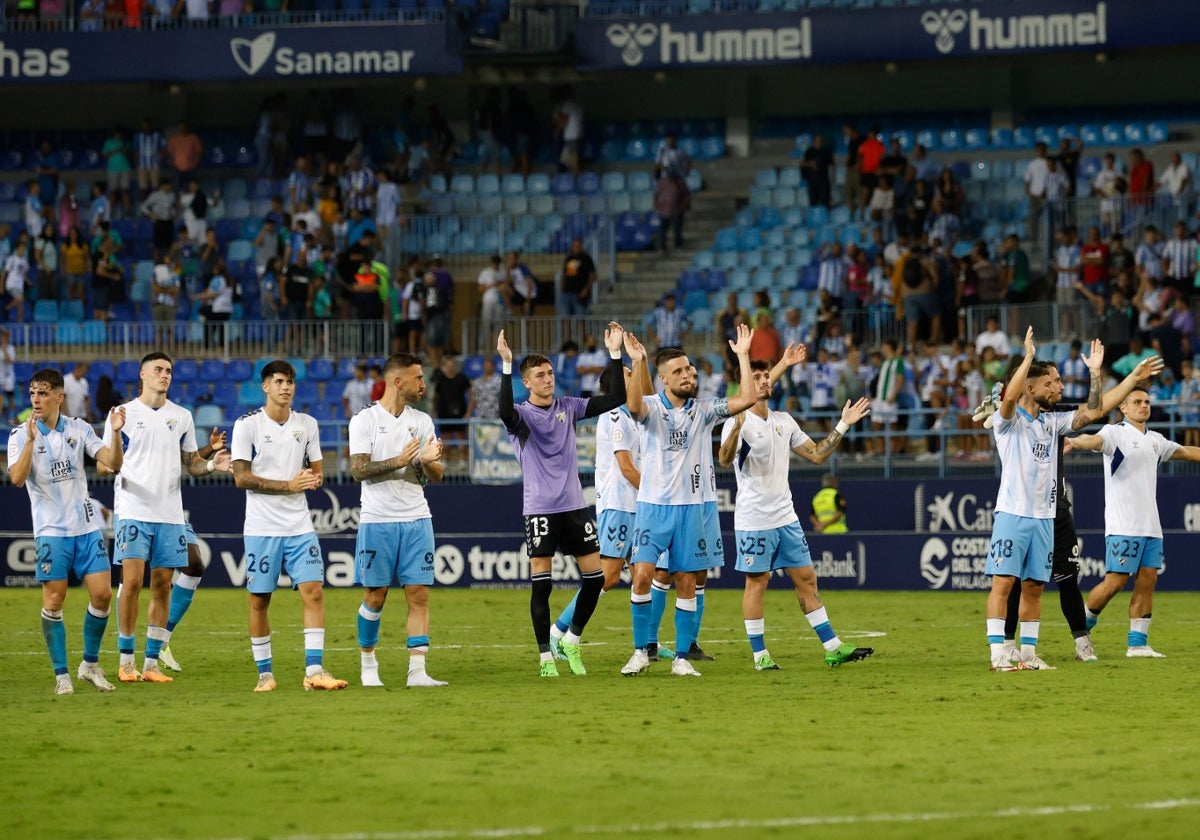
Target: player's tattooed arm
(362,467)
(1093,402)
(306,479)
(198,466)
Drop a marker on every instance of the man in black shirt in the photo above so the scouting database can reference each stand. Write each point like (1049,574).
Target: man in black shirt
(816,166)
(296,298)
(578,274)
(452,405)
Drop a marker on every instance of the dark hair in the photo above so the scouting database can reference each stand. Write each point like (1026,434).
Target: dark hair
(1077,344)
(1138,387)
(281,367)
(533,360)
(568,346)
(157,356)
(667,354)
(48,376)
(375,369)
(755,364)
(400,361)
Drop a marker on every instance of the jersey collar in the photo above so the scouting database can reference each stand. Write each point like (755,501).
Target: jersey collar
(59,427)
(669,406)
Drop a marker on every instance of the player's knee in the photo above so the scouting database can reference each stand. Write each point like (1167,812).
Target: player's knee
(417,596)
(101,600)
(53,600)
(375,599)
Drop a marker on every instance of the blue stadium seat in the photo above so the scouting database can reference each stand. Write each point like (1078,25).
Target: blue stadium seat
(613,182)
(1113,134)
(513,184)
(462,184)
(94,332)
(211,370)
(588,183)
(208,415)
(1157,132)
(45,311)
(640,181)
(537,184)
(487,184)
(563,183)
(975,138)
(1090,134)
(726,240)
(1022,137)
(637,150)
(750,239)
(67,332)
(1135,133)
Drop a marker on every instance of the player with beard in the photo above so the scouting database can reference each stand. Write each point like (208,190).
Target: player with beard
(1065,567)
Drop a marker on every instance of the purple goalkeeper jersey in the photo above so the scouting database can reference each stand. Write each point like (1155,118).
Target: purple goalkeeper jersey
(544,442)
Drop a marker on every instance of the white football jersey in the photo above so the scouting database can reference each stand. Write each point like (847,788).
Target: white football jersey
(616,432)
(397,496)
(1028,450)
(1131,460)
(276,451)
(147,488)
(677,461)
(764,497)
(57,486)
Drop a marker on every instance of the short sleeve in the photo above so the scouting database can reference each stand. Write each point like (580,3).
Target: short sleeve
(313,449)
(187,440)
(1166,447)
(91,442)
(241,448)
(651,407)
(798,436)
(1108,440)
(728,429)
(1063,421)
(622,433)
(1000,425)
(360,434)
(427,429)
(16,440)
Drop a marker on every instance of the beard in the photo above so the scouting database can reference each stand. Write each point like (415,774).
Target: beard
(686,392)
(1045,403)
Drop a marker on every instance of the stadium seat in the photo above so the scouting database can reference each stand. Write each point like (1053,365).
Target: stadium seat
(94,332)
(512,184)
(640,181)
(45,311)
(766,178)
(462,184)
(1135,133)
(211,370)
(487,184)
(71,310)
(1157,132)
(588,183)
(67,332)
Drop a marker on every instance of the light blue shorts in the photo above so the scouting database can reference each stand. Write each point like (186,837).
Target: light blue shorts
(775,548)
(161,544)
(84,555)
(190,533)
(683,531)
(712,536)
(616,533)
(299,556)
(1125,555)
(394,554)
(1021,547)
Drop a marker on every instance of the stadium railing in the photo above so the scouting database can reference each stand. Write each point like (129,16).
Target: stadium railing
(1126,215)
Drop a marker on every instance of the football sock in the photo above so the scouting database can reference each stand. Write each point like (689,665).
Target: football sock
(181,599)
(685,624)
(94,623)
(1090,617)
(56,639)
(587,598)
(539,608)
(995,635)
(125,647)
(699,613)
(639,609)
(1071,601)
(418,646)
(658,606)
(755,629)
(1014,612)
(818,619)
(1139,631)
(314,650)
(563,623)
(155,636)
(1029,638)
(260,646)
(368,626)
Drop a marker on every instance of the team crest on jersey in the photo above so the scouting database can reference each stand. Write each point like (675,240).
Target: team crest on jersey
(266,438)
(296,435)
(71,442)
(561,417)
(412,431)
(779,430)
(172,423)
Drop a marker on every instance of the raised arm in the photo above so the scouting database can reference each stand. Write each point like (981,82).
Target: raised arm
(641,385)
(508,411)
(818,453)
(1016,385)
(613,338)
(746,395)
(1145,369)
(793,355)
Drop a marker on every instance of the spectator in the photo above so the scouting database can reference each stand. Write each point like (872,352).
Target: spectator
(356,394)
(148,147)
(870,155)
(1067,270)
(709,384)
(817,169)
(164,292)
(916,210)
(918,294)
(117,154)
(1176,181)
(195,206)
(993,337)
(270,304)
(387,218)
(669,324)
(91,15)
(46,258)
(1109,185)
(924,167)
(349,261)
(568,126)
(269,244)
(1069,151)
(885,408)
(1094,261)
(1036,176)
(77,392)
(75,262)
(1141,178)
(1182,319)
(299,184)
(452,405)
(523,129)
(217,305)
(727,318)
(1015,276)
(184,149)
(108,281)
(578,275)
(378,386)
(1189,402)
(893,164)
(295,297)
(107,396)
(671,194)
(439,297)
(371,283)
(491,284)
(589,366)
(566,370)
(1057,185)
(1179,259)
(412,304)
(444,141)
(882,205)
(765,344)
(949,193)
(360,187)
(322,301)
(523,285)
(485,391)
(1137,352)
(160,207)
(1148,260)
(16,275)
(35,216)
(489,121)
(46,164)
(196,10)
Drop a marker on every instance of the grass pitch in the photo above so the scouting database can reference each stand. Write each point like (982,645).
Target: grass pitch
(919,741)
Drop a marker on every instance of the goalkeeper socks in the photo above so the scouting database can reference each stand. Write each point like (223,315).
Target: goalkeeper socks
(539,609)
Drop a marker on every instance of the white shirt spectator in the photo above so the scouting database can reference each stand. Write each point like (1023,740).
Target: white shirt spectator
(669,326)
(1036,176)
(358,394)
(387,203)
(1176,179)
(1057,184)
(489,286)
(1067,260)
(16,271)
(76,392)
(573,126)
(996,339)
(590,382)
(197,9)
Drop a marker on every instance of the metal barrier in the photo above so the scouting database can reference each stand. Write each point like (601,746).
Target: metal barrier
(531,335)
(1051,321)
(201,339)
(1128,216)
